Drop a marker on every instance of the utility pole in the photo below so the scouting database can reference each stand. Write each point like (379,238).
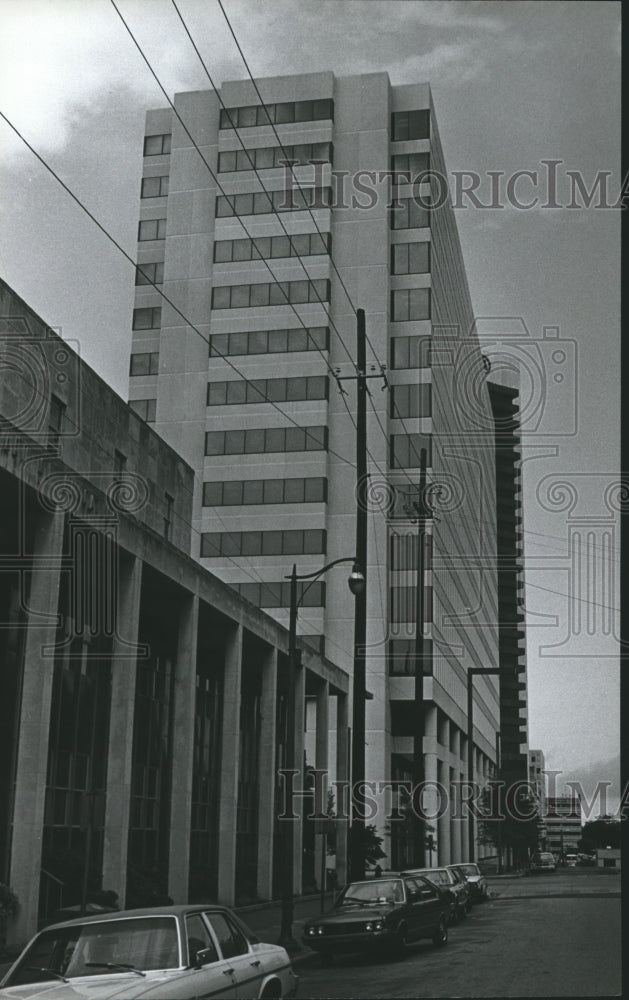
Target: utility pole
(357,837)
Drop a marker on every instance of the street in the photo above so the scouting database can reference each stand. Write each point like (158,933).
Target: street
(537,936)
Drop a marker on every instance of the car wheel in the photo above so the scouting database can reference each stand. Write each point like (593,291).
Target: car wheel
(440,937)
(272,992)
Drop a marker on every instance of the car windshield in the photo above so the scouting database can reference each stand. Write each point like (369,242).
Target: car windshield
(374,891)
(468,869)
(133,944)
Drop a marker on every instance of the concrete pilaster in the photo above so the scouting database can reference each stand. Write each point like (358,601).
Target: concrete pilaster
(266,780)
(431,799)
(455,825)
(32,751)
(321,762)
(183,750)
(230,765)
(443,824)
(123,678)
(342,775)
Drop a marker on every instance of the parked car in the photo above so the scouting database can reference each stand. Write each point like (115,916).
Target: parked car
(454,887)
(476,881)
(571,860)
(384,913)
(543,862)
(165,953)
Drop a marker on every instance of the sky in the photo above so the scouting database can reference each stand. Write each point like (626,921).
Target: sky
(514,84)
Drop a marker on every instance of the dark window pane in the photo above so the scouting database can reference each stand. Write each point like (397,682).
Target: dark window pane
(223,208)
(216,393)
(252,491)
(238,343)
(272,543)
(254,442)
(274,491)
(210,544)
(139,364)
(314,541)
(400,258)
(232,493)
(322,109)
(234,442)
(240,296)
(419,303)
(280,246)
(314,491)
(293,543)
(316,439)
(227,161)
(275,439)
(150,187)
(223,251)
(276,389)
(279,294)
(265,115)
(257,390)
(244,204)
(247,117)
(260,295)
(231,544)
(277,341)
(294,491)
(241,250)
(317,387)
(299,291)
(220,298)
(212,494)
(295,438)
(264,158)
(284,113)
(298,340)
(296,388)
(251,543)
(257,343)
(235,392)
(215,443)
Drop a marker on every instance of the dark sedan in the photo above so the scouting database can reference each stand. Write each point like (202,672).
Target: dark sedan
(453,885)
(475,879)
(384,913)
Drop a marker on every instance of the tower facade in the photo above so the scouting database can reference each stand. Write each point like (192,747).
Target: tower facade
(242,369)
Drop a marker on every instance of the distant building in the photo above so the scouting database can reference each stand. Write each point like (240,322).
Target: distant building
(537,778)
(564,826)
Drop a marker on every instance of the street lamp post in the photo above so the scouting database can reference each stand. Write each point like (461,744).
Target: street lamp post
(356,583)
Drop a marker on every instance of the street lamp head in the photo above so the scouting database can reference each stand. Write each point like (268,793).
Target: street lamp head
(356,581)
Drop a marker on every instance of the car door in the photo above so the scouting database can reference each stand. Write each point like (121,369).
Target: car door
(427,905)
(214,977)
(245,967)
(413,912)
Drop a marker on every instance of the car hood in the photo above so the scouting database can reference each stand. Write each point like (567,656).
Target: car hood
(346,914)
(127,985)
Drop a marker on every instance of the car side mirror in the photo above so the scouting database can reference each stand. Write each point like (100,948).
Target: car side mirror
(203,957)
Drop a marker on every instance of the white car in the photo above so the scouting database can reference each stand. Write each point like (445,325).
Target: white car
(166,953)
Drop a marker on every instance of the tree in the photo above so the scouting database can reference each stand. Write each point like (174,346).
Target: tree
(600,833)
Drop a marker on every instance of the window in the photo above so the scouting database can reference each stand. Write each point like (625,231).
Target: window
(152,229)
(263,202)
(403,605)
(271,439)
(408,214)
(230,939)
(311,541)
(274,156)
(150,274)
(407,167)
(168,516)
(264,491)
(277,595)
(410,258)
(407,125)
(410,352)
(154,145)
(277,390)
(144,408)
(406,450)
(265,294)
(410,400)
(55,419)
(410,304)
(265,247)
(147,318)
(154,187)
(144,364)
(198,939)
(276,114)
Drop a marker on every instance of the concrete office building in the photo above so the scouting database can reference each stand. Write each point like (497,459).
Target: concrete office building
(564,825)
(250,396)
(142,698)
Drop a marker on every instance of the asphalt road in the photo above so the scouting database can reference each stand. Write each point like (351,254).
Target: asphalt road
(539,936)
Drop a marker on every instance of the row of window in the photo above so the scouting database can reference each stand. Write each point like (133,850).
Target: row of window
(277,595)
(236,492)
(261,440)
(410,400)
(264,390)
(147,318)
(311,541)
(154,187)
(150,274)
(156,145)
(152,229)
(144,363)
(403,604)
(274,156)
(406,125)
(277,114)
(405,450)
(144,408)
(279,293)
(312,338)
(401,658)
(407,166)
(268,247)
(403,550)
(267,202)
(410,258)
(410,304)
(408,214)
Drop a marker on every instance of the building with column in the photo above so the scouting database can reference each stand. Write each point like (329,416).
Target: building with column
(143,709)
(249,276)
(537,778)
(564,825)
